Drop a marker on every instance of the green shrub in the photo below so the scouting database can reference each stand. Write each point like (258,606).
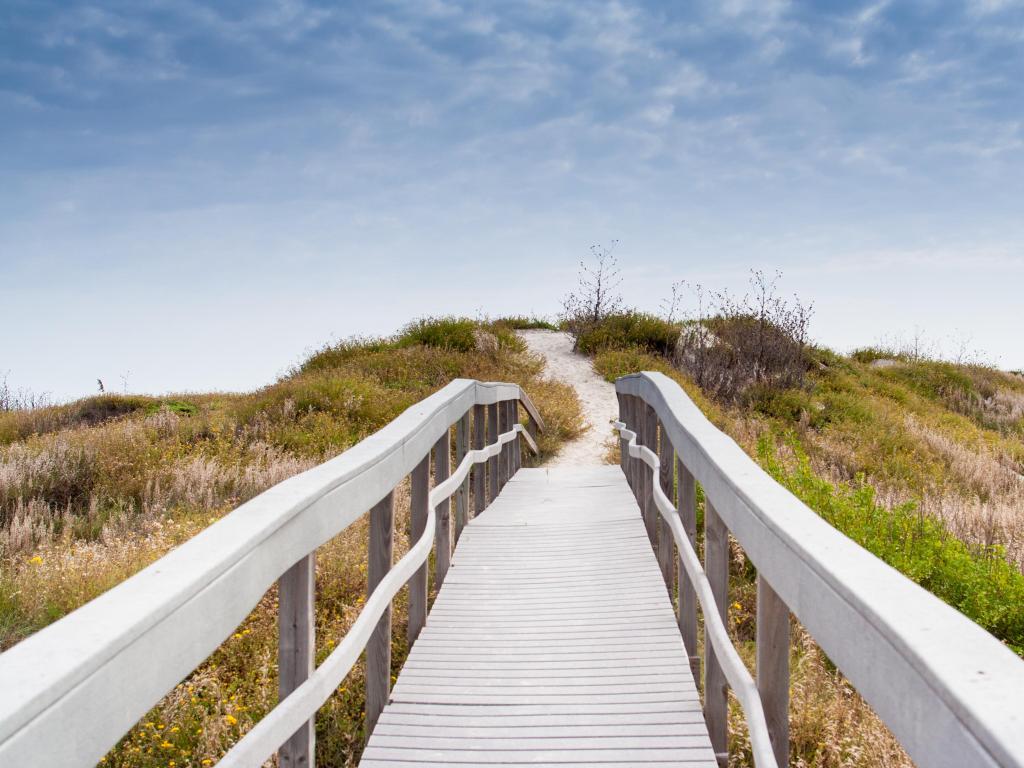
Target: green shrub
(525,323)
(457,333)
(978,582)
(626,330)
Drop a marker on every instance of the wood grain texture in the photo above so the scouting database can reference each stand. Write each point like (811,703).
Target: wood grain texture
(461,495)
(716,566)
(480,470)
(773,666)
(504,425)
(378,650)
(552,642)
(418,504)
(296,653)
(443,530)
(492,464)
(666,477)
(687,505)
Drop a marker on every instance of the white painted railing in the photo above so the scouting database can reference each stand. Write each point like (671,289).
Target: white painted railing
(71,691)
(951,693)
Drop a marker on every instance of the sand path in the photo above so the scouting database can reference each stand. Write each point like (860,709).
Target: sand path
(597,397)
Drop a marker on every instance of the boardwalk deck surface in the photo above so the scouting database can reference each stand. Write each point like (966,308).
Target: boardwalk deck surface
(552,642)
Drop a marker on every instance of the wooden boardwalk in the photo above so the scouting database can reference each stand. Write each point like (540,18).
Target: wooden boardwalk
(552,642)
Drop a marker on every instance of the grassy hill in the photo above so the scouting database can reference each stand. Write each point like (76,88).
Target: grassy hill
(919,460)
(92,491)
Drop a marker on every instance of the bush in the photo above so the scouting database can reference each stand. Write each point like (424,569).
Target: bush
(457,333)
(979,582)
(630,330)
(525,323)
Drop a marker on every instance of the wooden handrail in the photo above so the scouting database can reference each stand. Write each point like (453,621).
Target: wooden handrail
(735,670)
(72,690)
(948,690)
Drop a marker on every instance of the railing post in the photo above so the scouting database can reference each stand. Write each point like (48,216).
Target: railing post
(687,505)
(479,470)
(623,455)
(503,426)
(667,456)
(419,509)
(443,511)
(633,411)
(716,566)
(378,650)
(517,445)
(492,463)
(650,419)
(462,494)
(773,666)
(532,427)
(296,648)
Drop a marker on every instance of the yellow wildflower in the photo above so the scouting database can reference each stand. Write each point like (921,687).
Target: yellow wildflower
(37,560)
(231,719)
(166,745)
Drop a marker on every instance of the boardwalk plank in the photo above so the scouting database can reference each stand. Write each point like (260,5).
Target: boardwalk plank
(552,642)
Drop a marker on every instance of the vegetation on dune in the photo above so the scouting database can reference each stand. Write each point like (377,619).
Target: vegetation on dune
(92,491)
(918,459)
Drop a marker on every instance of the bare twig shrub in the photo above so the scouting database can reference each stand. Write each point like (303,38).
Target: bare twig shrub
(733,345)
(597,295)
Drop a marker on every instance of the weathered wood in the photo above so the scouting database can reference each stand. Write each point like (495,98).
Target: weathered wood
(517,445)
(948,690)
(716,566)
(418,508)
(479,470)
(687,505)
(773,666)
(296,650)
(512,671)
(461,495)
(666,547)
(493,485)
(378,650)
(650,421)
(536,421)
(443,511)
(623,443)
(503,427)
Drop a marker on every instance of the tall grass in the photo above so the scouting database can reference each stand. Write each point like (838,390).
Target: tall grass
(93,491)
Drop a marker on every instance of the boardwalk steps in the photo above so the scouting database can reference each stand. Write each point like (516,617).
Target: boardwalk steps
(553,641)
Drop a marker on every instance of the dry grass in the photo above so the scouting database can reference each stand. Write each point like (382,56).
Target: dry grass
(92,492)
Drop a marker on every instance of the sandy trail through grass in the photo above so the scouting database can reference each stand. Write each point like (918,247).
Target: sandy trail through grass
(597,396)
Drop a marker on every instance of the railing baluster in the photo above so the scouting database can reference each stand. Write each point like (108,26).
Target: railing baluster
(461,495)
(716,566)
(296,648)
(687,506)
(650,421)
(503,426)
(517,449)
(443,511)
(666,547)
(419,506)
(479,470)
(378,649)
(623,450)
(773,666)
(492,463)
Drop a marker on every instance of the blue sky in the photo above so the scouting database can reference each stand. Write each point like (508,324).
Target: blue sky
(192,196)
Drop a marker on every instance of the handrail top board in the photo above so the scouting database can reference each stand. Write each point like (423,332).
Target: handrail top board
(179,608)
(948,689)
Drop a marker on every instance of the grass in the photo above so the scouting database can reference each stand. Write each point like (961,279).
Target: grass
(921,462)
(93,491)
